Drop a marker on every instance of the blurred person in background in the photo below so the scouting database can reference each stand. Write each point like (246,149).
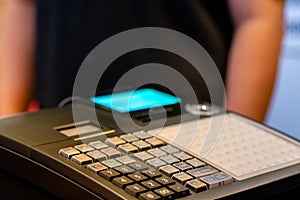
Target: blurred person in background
(43,43)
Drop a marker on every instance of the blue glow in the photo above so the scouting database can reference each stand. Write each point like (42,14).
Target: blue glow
(136,100)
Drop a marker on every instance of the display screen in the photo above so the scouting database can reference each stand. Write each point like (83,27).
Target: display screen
(136,100)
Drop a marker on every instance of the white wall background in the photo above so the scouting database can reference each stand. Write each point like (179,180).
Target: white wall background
(284,113)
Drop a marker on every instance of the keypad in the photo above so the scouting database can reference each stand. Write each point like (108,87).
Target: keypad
(146,167)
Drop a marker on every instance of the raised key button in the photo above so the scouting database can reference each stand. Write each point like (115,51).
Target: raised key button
(155,142)
(138,166)
(202,171)
(196,185)
(82,159)
(124,170)
(182,166)
(83,148)
(135,189)
(96,167)
(111,163)
(215,180)
(169,149)
(128,148)
(169,159)
(149,196)
(129,137)
(125,160)
(143,156)
(165,193)
(195,163)
(180,190)
(114,141)
(182,156)
(182,177)
(142,135)
(68,152)
(137,177)
(122,181)
(164,180)
(97,155)
(142,145)
(111,152)
(156,152)
(156,163)
(98,145)
(168,170)
(151,184)
(109,174)
(153,174)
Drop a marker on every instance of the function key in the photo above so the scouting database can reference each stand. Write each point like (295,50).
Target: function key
(96,167)
(157,152)
(109,174)
(155,142)
(195,163)
(97,155)
(111,152)
(98,144)
(169,159)
(182,177)
(180,190)
(169,170)
(156,163)
(122,181)
(215,180)
(83,148)
(182,156)
(111,163)
(149,196)
(124,170)
(114,141)
(196,185)
(165,193)
(182,166)
(135,189)
(125,160)
(82,159)
(169,149)
(137,177)
(138,166)
(153,174)
(129,138)
(202,171)
(143,156)
(142,145)
(142,135)
(128,148)
(68,152)
(164,180)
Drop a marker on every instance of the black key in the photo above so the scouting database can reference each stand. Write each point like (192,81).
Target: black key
(196,185)
(135,189)
(122,181)
(180,190)
(164,180)
(109,174)
(165,193)
(137,177)
(153,174)
(151,184)
(149,196)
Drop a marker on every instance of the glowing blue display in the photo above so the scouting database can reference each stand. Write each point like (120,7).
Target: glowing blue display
(136,100)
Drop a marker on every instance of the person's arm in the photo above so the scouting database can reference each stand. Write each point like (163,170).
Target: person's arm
(254,55)
(17,46)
